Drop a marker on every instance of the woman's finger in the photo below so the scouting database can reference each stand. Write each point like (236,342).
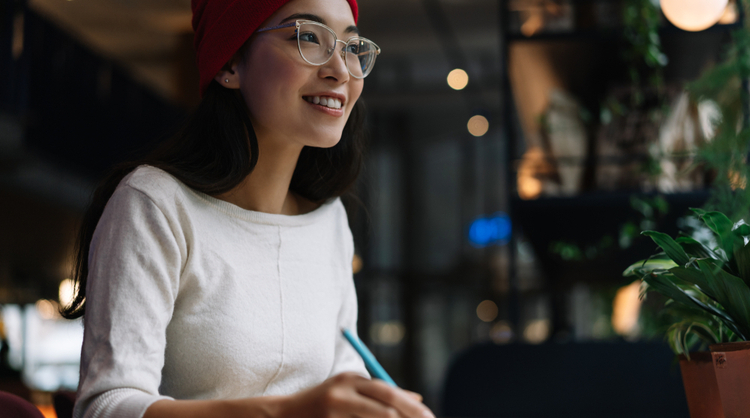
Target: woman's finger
(397,398)
(414,395)
(366,407)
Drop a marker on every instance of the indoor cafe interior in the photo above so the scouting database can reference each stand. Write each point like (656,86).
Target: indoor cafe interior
(549,219)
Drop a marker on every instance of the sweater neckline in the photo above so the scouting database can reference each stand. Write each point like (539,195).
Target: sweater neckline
(251,215)
(267,218)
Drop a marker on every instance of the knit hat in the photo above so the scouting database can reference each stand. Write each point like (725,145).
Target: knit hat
(222,26)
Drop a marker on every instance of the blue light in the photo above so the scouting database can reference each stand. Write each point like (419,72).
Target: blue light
(492,230)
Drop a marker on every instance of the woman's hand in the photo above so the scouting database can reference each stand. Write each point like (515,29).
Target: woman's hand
(349,394)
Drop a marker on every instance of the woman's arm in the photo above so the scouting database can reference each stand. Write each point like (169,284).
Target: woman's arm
(265,407)
(134,268)
(344,395)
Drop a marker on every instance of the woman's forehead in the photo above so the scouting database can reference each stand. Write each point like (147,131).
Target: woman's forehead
(334,13)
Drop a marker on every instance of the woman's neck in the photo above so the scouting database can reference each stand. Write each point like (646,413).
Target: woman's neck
(266,189)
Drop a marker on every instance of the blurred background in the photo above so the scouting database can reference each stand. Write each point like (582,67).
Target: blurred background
(516,150)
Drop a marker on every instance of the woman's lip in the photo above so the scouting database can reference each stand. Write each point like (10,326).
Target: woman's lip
(328,110)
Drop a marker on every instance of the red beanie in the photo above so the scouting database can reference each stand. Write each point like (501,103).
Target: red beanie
(222,26)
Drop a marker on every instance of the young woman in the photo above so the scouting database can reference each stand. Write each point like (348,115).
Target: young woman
(216,273)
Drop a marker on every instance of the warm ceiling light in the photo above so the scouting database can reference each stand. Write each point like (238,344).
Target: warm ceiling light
(693,15)
(478,125)
(458,79)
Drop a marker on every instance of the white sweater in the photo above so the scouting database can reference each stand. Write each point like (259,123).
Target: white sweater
(191,297)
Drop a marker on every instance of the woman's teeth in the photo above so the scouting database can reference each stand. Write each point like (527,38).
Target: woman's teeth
(325,101)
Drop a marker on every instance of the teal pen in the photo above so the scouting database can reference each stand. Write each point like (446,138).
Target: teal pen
(372,365)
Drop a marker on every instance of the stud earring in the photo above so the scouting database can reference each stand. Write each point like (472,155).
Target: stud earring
(226,80)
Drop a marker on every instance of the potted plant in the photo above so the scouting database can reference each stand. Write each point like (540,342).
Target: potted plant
(708,282)
(709,292)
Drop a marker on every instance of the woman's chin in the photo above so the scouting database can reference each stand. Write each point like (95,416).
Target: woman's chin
(327,140)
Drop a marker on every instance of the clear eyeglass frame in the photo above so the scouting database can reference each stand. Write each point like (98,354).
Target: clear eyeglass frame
(365,71)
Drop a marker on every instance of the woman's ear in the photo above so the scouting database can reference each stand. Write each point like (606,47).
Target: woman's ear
(228,76)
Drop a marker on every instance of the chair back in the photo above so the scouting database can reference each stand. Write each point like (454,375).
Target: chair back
(64,400)
(582,380)
(13,406)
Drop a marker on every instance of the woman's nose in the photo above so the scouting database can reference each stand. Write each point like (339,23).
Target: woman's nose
(336,67)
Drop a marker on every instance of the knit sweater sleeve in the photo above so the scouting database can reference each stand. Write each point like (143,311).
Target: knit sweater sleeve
(345,357)
(134,268)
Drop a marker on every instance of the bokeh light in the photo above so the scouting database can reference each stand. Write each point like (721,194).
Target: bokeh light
(487,311)
(532,164)
(501,333)
(388,333)
(478,125)
(536,331)
(491,230)
(66,292)
(47,309)
(458,79)
(693,15)
(626,309)
(356,263)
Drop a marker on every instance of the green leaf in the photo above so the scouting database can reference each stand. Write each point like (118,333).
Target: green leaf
(646,266)
(698,211)
(666,284)
(695,249)
(704,333)
(674,337)
(743,229)
(742,258)
(732,293)
(722,226)
(673,250)
(697,278)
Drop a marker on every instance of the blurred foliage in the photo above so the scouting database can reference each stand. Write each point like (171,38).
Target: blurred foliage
(726,154)
(643,55)
(646,100)
(649,209)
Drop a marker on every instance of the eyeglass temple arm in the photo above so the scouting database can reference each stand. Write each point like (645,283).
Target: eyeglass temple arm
(286,25)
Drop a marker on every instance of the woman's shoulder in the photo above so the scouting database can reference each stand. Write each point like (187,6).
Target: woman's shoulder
(153,184)
(151,181)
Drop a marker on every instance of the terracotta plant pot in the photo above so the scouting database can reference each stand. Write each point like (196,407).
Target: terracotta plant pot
(732,369)
(701,389)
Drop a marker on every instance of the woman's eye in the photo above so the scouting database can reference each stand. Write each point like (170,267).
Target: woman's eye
(352,49)
(308,37)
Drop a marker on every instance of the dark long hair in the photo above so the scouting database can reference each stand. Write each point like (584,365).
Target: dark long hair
(215,151)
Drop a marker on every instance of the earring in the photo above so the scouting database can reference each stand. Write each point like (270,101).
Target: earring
(226,80)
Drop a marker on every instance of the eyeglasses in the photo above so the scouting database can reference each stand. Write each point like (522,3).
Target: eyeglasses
(317,43)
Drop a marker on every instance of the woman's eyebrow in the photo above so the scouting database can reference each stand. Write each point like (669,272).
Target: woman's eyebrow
(316,18)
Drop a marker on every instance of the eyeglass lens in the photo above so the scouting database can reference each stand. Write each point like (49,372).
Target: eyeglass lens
(317,44)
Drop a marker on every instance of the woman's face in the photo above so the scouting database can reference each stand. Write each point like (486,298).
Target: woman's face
(277,83)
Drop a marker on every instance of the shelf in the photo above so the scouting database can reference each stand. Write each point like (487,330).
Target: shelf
(584,220)
(608,34)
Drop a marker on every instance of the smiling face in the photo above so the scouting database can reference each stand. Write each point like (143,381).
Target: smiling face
(281,89)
